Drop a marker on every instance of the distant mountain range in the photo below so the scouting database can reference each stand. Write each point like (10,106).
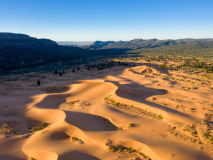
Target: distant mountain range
(19,51)
(74,43)
(141,43)
(198,48)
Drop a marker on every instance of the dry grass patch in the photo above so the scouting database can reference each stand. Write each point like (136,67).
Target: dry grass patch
(68,105)
(71,104)
(55,89)
(121,148)
(109,100)
(191,129)
(36,126)
(7,127)
(207,132)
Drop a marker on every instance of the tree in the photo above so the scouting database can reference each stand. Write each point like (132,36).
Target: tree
(60,73)
(56,72)
(38,83)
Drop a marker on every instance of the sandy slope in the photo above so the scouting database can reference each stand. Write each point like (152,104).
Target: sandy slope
(94,121)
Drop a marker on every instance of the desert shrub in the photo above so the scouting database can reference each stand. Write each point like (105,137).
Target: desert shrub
(109,141)
(120,148)
(37,128)
(130,124)
(160,117)
(194,87)
(163,66)
(75,138)
(208,137)
(7,127)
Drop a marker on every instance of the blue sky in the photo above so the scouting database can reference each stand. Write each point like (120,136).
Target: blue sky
(90,20)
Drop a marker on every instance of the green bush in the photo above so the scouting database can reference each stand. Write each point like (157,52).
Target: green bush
(39,127)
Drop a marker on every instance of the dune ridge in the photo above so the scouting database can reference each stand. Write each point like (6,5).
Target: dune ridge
(82,112)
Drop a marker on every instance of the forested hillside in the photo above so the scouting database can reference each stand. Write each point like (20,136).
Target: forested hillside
(184,47)
(18,51)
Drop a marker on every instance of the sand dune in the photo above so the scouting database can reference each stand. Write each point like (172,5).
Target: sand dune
(80,123)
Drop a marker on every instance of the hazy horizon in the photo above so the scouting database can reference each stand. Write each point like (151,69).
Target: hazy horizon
(67,41)
(106,20)
(133,39)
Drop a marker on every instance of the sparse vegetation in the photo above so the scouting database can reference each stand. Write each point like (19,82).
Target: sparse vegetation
(39,127)
(109,100)
(7,127)
(160,117)
(130,124)
(72,102)
(121,148)
(163,66)
(26,135)
(120,128)
(191,129)
(75,138)
(192,109)
(194,87)
(208,137)
(55,89)
(184,137)
(109,141)
(69,105)
(207,132)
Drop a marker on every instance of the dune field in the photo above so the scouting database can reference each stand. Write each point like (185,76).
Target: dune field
(126,113)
